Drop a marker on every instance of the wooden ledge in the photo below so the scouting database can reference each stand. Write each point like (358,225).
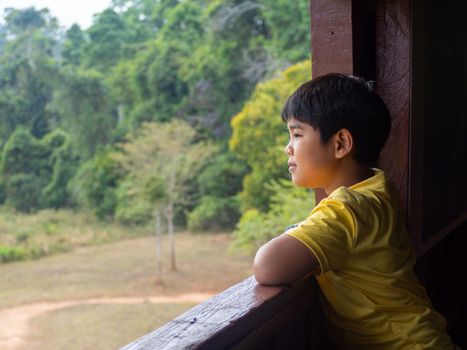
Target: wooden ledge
(239,317)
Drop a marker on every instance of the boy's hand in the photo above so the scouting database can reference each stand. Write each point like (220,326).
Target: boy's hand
(283,260)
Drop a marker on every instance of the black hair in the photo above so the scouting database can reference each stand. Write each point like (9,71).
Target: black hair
(335,101)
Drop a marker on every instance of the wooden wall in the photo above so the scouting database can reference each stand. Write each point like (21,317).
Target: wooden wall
(370,39)
(416,51)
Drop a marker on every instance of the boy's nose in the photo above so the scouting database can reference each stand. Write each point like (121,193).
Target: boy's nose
(288,149)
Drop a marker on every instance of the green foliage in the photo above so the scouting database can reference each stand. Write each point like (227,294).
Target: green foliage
(27,71)
(46,232)
(23,154)
(132,207)
(24,169)
(9,254)
(158,81)
(214,213)
(289,205)
(94,186)
(35,172)
(139,16)
(289,27)
(27,20)
(259,135)
(2,191)
(107,38)
(255,194)
(160,160)
(64,163)
(225,67)
(75,98)
(24,192)
(222,177)
(155,188)
(218,185)
(73,47)
(83,103)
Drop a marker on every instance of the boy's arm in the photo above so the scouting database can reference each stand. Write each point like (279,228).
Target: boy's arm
(283,260)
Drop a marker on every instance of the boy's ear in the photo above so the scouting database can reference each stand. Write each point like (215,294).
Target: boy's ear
(343,143)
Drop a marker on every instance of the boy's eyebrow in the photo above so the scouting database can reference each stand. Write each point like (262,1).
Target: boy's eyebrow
(294,126)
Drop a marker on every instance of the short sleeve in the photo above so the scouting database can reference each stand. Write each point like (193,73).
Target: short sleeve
(329,232)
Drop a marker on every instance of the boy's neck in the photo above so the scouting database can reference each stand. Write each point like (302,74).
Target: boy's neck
(348,174)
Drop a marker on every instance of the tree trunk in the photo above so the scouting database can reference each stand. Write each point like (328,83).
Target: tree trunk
(158,229)
(170,224)
(120,113)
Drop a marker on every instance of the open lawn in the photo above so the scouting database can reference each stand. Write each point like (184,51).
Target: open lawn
(46,232)
(121,269)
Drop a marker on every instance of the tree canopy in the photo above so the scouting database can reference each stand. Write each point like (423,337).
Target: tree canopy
(182,77)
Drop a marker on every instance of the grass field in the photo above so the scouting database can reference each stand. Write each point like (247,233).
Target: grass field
(99,326)
(47,232)
(120,269)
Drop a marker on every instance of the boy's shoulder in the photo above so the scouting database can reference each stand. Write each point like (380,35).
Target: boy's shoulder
(378,185)
(369,193)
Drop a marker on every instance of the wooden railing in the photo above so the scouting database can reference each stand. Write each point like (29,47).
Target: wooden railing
(245,316)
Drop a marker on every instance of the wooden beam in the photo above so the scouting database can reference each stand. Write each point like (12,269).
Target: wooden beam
(240,317)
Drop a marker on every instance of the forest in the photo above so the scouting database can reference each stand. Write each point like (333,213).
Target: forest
(162,112)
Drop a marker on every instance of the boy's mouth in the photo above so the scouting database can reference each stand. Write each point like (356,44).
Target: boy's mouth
(292,166)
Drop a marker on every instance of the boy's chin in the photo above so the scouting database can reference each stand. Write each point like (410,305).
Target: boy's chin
(299,183)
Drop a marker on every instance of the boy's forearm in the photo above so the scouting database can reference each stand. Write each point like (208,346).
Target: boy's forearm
(283,260)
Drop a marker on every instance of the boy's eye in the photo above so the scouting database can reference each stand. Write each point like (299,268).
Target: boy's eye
(296,135)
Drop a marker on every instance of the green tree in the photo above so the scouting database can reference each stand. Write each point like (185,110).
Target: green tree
(73,46)
(83,106)
(169,151)
(24,170)
(35,173)
(289,29)
(27,70)
(289,205)
(158,81)
(63,161)
(95,184)
(259,135)
(225,67)
(218,185)
(107,38)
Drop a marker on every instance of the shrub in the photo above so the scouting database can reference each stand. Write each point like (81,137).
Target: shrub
(9,254)
(259,135)
(214,213)
(24,192)
(289,205)
(95,184)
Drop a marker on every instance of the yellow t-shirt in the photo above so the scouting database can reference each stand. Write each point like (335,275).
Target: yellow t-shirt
(370,295)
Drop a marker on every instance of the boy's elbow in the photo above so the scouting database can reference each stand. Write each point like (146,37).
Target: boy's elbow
(265,271)
(262,275)
(267,274)
(283,260)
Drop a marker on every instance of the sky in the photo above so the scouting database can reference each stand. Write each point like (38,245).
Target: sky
(66,11)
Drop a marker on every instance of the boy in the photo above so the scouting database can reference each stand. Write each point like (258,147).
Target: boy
(354,240)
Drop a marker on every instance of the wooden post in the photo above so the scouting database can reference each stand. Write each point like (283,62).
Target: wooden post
(370,39)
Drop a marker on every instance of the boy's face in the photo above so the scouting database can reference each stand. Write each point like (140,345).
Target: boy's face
(312,164)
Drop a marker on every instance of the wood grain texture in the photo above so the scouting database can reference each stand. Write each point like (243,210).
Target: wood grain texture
(331,36)
(334,50)
(331,43)
(227,318)
(393,60)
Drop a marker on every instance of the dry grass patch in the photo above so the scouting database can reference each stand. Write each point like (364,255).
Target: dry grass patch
(30,236)
(99,326)
(120,269)
(125,268)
